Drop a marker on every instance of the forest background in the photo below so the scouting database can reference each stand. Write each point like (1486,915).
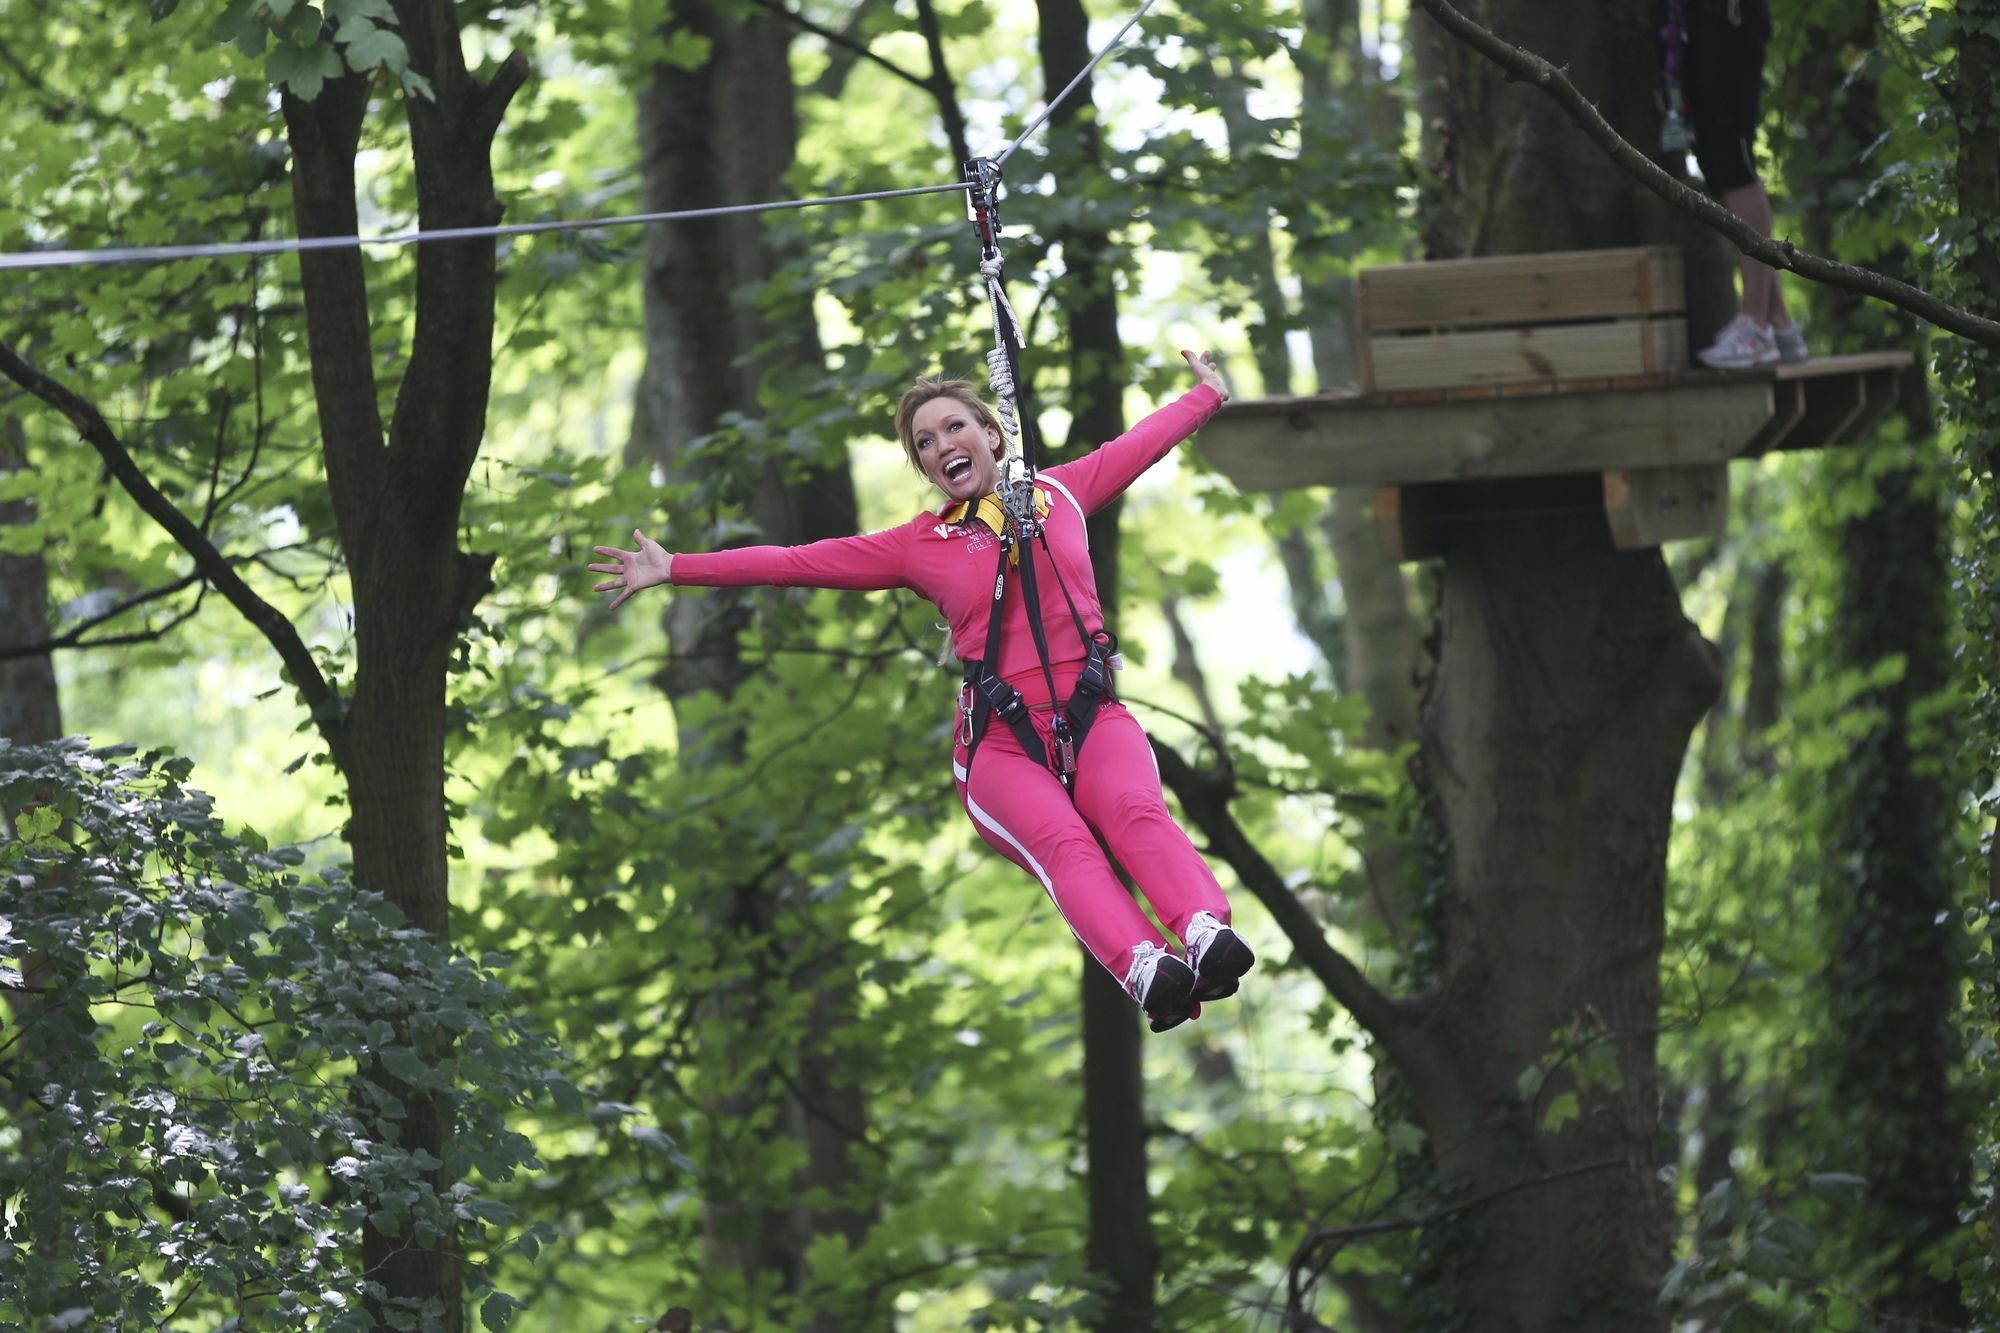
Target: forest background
(1626,922)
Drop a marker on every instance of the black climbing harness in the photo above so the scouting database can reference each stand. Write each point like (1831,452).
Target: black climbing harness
(984,694)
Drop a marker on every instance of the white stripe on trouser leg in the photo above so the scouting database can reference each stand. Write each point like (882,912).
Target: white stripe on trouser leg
(986,821)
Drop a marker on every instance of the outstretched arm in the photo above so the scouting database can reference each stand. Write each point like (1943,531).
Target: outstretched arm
(1102,474)
(865,563)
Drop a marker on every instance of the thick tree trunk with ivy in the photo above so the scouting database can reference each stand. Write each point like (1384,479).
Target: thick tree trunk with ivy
(1893,984)
(1972,402)
(1567,684)
(724,132)
(1120,1246)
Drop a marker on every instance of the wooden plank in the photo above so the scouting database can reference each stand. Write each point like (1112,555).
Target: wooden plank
(1833,408)
(1649,507)
(1885,390)
(1364,442)
(1561,352)
(1789,409)
(1847,363)
(1520,289)
(1403,522)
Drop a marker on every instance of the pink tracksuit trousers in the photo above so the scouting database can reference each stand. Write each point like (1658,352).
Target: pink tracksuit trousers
(1018,805)
(1024,814)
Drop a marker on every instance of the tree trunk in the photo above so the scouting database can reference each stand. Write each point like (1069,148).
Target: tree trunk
(1972,377)
(724,133)
(30,714)
(30,711)
(1568,682)
(397,510)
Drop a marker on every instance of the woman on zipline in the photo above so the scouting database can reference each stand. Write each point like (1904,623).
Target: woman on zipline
(1038,794)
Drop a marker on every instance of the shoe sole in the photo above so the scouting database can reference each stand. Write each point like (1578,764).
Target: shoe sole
(1170,999)
(1227,959)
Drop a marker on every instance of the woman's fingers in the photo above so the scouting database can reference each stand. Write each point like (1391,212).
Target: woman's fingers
(631,572)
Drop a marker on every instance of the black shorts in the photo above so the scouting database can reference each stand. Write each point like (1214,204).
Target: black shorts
(1723,81)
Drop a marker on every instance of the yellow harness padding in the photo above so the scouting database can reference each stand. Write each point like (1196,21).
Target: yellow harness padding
(993,516)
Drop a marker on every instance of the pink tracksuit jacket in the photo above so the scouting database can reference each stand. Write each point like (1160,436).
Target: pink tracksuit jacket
(1018,806)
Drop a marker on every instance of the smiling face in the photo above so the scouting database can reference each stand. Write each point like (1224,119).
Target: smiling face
(953,446)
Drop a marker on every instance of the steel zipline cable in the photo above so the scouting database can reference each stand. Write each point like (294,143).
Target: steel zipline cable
(147,254)
(1070,87)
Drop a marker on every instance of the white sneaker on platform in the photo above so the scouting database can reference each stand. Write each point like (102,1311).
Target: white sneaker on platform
(1743,344)
(1791,343)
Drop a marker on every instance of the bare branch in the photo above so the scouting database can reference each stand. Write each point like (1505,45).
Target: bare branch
(1530,68)
(210,563)
(940,81)
(1205,797)
(1341,1235)
(1320,1245)
(844,42)
(73,637)
(497,93)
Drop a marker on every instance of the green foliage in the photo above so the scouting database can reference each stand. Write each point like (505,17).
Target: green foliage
(612,846)
(205,1041)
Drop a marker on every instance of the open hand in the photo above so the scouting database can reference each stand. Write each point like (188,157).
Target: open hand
(643,568)
(1206,372)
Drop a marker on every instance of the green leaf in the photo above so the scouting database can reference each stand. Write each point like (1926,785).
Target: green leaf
(38,822)
(303,70)
(497,1311)
(376,48)
(347,11)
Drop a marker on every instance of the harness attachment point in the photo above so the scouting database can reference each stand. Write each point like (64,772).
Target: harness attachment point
(982,201)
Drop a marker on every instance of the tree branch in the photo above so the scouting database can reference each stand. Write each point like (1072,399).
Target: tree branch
(844,42)
(440,413)
(210,563)
(73,637)
(497,94)
(1319,1246)
(1341,1235)
(940,82)
(1530,68)
(324,135)
(1205,797)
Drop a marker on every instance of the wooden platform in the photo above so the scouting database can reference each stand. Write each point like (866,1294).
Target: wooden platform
(1653,428)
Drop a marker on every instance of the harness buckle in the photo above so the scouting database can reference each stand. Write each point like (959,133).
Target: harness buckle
(1017,498)
(1099,661)
(982,201)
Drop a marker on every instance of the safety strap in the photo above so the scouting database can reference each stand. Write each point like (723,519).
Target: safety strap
(985,694)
